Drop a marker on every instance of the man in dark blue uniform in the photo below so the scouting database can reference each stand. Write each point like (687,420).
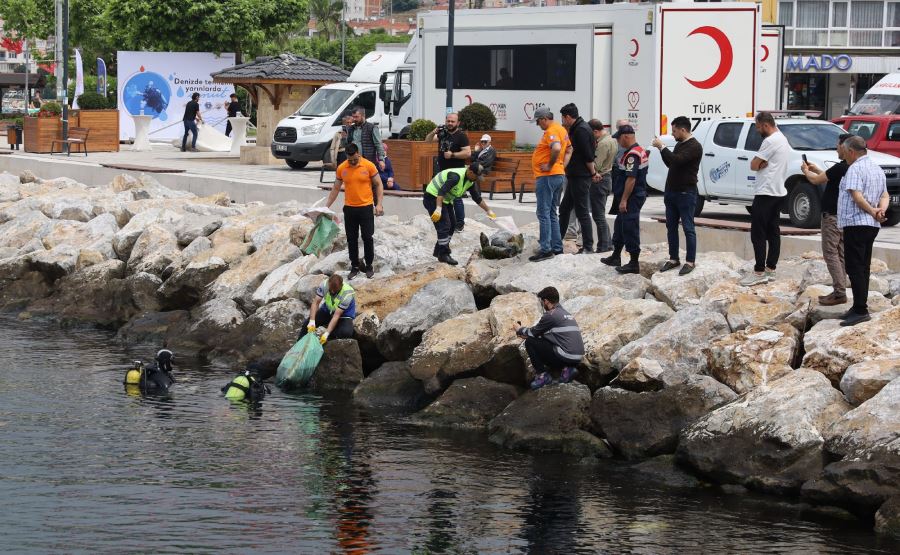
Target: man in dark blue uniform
(629,193)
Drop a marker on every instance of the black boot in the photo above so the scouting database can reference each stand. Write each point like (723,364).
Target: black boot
(633,267)
(615,259)
(447,259)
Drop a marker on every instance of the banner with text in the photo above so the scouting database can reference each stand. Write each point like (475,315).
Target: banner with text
(160,84)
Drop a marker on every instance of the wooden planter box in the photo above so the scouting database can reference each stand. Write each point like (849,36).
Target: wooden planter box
(104,129)
(40,132)
(412,162)
(500,139)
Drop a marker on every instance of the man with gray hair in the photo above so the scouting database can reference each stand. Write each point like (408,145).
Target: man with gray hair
(862,204)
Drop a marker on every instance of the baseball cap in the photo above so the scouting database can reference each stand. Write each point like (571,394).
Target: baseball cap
(543,112)
(485,137)
(624,130)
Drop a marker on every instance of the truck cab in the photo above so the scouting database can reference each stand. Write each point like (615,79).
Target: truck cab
(725,176)
(305,135)
(882,133)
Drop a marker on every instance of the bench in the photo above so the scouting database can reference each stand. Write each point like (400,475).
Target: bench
(503,171)
(77,136)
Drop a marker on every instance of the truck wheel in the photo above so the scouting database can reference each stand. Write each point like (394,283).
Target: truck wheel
(296,164)
(893,217)
(699,208)
(804,206)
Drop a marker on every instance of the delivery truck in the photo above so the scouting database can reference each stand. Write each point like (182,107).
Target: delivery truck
(641,62)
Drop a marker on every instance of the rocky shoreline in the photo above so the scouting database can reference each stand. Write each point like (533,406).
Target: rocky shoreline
(758,388)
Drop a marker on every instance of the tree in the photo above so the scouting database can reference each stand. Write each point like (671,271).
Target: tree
(28,19)
(240,26)
(328,15)
(330,50)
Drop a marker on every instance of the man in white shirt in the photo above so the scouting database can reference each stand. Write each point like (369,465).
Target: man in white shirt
(771,167)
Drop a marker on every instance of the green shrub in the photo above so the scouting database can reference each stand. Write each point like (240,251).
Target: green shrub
(477,117)
(92,101)
(50,110)
(420,128)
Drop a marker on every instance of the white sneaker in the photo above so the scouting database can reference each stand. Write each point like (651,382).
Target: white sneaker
(770,275)
(753,278)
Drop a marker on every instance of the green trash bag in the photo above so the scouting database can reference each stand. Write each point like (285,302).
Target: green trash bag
(299,363)
(321,237)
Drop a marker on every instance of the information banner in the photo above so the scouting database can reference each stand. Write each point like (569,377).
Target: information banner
(160,84)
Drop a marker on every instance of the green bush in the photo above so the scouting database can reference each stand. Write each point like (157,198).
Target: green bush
(92,101)
(477,117)
(50,109)
(420,128)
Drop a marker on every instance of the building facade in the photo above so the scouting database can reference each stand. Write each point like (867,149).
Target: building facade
(836,49)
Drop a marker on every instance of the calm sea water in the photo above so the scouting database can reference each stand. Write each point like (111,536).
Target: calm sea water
(88,468)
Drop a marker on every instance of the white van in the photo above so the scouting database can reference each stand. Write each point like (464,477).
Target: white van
(305,135)
(883,99)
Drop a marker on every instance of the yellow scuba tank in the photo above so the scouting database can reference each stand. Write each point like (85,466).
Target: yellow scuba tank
(134,374)
(238,393)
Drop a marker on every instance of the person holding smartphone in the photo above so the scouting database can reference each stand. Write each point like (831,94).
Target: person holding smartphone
(832,236)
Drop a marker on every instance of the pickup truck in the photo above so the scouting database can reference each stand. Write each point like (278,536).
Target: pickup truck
(729,146)
(882,133)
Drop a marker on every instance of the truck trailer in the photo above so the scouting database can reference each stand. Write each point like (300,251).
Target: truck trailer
(642,62)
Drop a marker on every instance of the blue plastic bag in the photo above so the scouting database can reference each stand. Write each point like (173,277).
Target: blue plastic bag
(299,363)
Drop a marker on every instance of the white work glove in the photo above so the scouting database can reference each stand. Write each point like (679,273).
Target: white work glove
(436,215)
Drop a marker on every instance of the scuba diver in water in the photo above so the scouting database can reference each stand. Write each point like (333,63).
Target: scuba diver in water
(153,379)
(246,386)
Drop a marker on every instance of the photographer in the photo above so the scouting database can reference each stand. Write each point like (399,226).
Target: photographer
(453,152)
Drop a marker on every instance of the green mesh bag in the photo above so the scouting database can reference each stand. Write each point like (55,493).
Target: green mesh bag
(299,363)
(321,237)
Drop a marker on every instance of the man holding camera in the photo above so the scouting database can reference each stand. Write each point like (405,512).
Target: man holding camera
(453,152)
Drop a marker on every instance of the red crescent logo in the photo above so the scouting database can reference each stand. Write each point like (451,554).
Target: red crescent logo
(637,48)
(727,57)
(469,98)
(765,53)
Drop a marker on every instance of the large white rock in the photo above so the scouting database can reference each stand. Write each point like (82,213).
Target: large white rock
(240,281)
(753,357)
(864,380)
(18,231)
(284,281)
(194,227)
(125,238)
(676,344)
(68,207)
(831,349)
(573,276)
(401,331)
(682,291)
(154,250)
(771,438)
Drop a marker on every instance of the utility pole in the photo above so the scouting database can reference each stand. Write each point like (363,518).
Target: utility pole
(25,51)
(343,30)
(451,12)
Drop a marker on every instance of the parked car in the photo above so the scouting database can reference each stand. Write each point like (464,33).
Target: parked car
(882,133)
(729,146)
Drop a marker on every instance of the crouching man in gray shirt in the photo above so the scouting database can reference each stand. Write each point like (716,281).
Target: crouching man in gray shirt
(554,342)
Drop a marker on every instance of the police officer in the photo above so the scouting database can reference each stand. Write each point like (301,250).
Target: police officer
(629,194)
(444,189)
(335,303)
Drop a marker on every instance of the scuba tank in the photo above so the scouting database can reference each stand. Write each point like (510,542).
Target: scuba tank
(245,387)
(135,374)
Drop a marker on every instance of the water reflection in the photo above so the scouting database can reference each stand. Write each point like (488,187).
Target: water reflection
(299,473)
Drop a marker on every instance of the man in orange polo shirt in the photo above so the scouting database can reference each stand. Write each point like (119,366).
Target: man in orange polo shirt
(362,202)
(548,165)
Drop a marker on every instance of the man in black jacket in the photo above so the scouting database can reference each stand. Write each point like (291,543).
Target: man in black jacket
(580,171)
(555,342)
(681,192)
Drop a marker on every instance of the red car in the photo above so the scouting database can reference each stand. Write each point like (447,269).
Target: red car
(882,133)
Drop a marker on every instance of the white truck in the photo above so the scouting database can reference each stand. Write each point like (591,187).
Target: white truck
(305,135)
(725,176)
(642,62)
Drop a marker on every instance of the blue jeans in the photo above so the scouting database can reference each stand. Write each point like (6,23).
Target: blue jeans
(189,126)
(681,206)
(548,190)
(459,210)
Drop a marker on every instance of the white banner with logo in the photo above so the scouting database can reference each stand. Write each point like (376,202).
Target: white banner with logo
(79,79)
(160,84)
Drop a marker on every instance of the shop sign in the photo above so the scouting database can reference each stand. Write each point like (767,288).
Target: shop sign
(824,62)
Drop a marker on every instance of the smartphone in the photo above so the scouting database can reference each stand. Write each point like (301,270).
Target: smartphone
(805,161)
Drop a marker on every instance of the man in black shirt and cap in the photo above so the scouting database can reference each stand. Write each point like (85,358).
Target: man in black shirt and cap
(190,119)
(832,236)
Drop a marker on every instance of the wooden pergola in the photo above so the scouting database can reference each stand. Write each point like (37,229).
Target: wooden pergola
(278,85)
